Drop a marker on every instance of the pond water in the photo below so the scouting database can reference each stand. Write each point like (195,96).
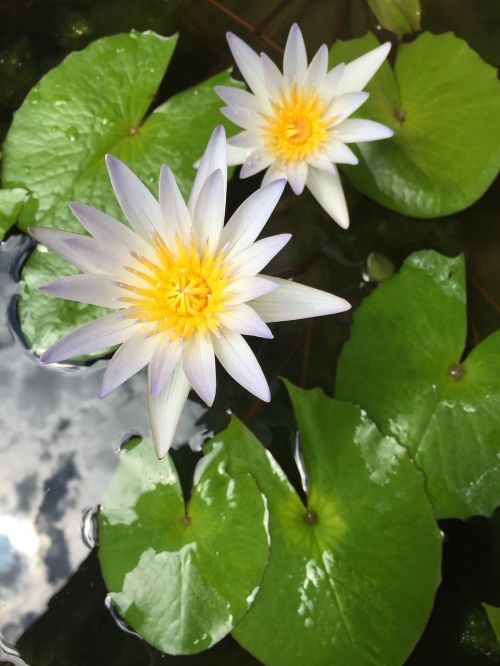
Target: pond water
(60,444)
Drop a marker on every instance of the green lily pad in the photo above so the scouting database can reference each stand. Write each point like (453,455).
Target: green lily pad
(363,556)
(11,205)
(443,103)
(404,364)
(56,145)
(398,16)
(493,614)
(181,576)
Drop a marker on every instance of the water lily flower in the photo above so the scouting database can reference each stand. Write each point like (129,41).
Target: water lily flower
(186,288)
(296,124)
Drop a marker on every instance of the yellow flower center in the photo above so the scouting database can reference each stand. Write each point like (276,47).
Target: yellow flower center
(296,129)
(183,292)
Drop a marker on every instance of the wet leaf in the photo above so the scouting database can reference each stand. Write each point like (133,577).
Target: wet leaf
(442,101)
(181,577)
(360,559)
(398,16)
(493,614)
(70,120)
(11,204)
(404,364)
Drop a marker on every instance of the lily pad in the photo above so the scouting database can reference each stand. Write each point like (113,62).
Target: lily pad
(56,145)
(363,556)
(443,103)
(405,365)
(398,16)
(493,614)
(11,205)
(181,576)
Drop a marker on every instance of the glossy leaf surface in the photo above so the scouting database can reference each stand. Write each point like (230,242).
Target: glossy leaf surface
(361,558)
(404,364)
(181,577)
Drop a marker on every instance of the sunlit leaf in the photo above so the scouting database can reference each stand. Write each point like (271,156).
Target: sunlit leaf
(443,103)
(361,558)
(11,204)
(181,576)
(56,145)
(405,365)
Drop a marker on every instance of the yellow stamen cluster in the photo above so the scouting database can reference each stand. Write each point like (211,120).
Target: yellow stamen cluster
(182,292)
(297,128)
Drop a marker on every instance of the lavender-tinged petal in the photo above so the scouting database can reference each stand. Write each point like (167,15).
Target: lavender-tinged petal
(208,218)
(132,356)
(326,188)
(165,410)
(295,58)
(248,63)
(165,358)
(137,203)
(199,366)
(92,289)
(214,157)
(176,220)
(253,259)
(244,320)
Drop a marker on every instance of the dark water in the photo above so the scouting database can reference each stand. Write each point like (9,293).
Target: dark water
(59,444)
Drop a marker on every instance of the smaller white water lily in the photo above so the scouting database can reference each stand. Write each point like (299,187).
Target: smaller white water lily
(185,286)
(296,124)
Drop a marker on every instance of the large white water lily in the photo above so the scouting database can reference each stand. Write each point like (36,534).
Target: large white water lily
(296,123)
(185,286)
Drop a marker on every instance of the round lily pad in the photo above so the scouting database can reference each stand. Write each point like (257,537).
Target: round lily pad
(363,556)
(182,577)
(56,145)
(443,103)
(405,365)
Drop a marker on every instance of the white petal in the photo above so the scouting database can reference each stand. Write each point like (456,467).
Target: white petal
(296,175)
(248,63)
(165,410)
(237,155)
(106,332)
(239,361)
(321,161)
(208,218)
(243,319)
(245,139)
(339,153)
(295,58)
(131,357)
(332,80)
(358,72)
(176,220)
(272,174)
(252,259)
(137,203)
(249,219)
(93,289)
(247,288)
(257,161)
(109,231)
(199,366)
(214,157)
(237,97)
(242,116)
(353,130)
(166,356)
(316,73)
(55,240)
(273,78)
(297,301)
(99,257)
(326,188)
(342,106)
